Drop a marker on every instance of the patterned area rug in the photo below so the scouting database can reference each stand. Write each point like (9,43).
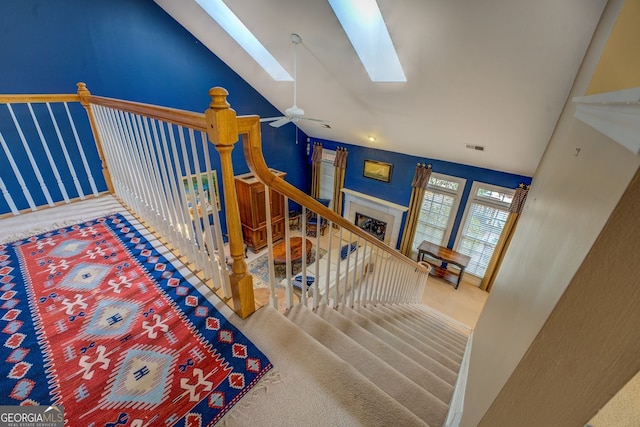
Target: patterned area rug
(93,318)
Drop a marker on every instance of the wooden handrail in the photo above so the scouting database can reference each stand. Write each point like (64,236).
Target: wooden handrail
(19,99)
(172,115)
(249,129)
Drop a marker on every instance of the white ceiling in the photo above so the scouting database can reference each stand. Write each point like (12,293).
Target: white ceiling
(494,73)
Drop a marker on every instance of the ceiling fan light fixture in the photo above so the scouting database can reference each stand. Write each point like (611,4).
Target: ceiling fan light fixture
(229,22)
(365,27)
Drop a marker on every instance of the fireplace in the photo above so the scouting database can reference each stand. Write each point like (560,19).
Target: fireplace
(382,211)
(373,226)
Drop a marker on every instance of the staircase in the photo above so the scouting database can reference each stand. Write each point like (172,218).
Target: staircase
(383,365)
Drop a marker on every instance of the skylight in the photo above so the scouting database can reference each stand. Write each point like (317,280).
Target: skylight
(363,23)
(245,38)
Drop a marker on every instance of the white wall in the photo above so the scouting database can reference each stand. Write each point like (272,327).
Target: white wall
(570,200)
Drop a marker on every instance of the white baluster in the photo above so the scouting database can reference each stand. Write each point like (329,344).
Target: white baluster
(201,213)
(65,152)
(34,165)
(316,274)
(287,235)
(16,171)
(183,210)
(187,174)
(7,197)
(272,276)
(327,275)
(81,151)
(214,237)
(172,188)
(47,152)
(303,287)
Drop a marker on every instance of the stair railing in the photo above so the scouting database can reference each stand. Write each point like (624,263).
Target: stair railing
(160,166)
(45,163)
(156,161)
(373,272)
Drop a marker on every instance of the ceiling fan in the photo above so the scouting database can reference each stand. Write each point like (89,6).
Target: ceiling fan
(294,113)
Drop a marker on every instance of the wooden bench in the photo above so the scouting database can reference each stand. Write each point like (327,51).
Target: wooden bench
(445,256)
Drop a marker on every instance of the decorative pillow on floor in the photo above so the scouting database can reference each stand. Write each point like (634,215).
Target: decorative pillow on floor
(347,249)
(297,280)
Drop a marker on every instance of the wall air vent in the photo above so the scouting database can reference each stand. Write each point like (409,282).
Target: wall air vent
(475,147)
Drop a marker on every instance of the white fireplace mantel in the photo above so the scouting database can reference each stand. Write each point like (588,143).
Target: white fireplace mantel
(386,211)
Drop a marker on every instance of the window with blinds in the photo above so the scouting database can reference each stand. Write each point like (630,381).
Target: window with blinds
(439,206)
(327,174)
(486,213)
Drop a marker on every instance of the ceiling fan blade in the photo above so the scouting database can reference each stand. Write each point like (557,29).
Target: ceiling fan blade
(280,122)
(313,120)
(270,119)
(319,122)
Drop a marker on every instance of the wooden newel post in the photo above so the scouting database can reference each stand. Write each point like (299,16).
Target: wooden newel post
(222,130)
(84,94)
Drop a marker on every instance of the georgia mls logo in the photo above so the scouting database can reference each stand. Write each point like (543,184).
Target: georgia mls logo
(56,410)
(31,416)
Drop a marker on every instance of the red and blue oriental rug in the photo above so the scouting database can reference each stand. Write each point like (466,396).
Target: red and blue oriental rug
(95,319)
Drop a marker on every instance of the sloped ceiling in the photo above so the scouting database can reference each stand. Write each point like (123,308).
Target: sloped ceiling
(493,73)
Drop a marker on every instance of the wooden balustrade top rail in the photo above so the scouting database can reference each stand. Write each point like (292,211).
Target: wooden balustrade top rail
(20,99)
(171,115)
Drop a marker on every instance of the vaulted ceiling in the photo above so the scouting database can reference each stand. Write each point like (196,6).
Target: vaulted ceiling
(490,73)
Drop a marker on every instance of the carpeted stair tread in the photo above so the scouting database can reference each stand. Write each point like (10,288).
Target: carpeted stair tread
(403,364)
(425,327)
(427,330)
(420,344)
(422,358)
(456,328)
(389,321)
(431,321)
(463,329)
(419,331)
(419,401)
(315,388)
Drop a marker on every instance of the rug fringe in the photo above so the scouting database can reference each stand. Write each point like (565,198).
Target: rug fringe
(51,227)
(240,409)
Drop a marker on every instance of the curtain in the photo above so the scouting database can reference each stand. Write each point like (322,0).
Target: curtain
(340,164)
(419,185)
(316,158)
(517,204)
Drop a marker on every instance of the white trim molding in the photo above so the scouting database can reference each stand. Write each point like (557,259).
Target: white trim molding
(456,406)
(614,114)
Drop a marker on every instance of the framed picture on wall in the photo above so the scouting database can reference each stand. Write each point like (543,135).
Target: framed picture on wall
(377,170)
(205,192)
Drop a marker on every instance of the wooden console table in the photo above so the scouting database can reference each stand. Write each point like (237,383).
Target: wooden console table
(444,255)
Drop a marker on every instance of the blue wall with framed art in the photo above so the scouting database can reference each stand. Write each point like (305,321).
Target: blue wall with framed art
(398,189)
(131,49)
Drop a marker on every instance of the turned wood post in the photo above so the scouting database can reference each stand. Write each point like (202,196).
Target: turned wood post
(84,94)
(222,129)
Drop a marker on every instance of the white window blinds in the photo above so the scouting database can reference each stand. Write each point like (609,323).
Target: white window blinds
(438,209)
(487,212)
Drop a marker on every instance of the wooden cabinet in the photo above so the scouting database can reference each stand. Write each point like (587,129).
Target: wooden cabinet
(253,213)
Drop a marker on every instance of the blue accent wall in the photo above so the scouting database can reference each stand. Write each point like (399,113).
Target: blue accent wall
(129,49)
(398,190)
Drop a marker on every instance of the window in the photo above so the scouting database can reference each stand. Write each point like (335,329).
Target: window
(438,210)
(327,173)
(484,219)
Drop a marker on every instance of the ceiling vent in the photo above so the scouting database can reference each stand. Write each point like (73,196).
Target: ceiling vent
(475,147)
